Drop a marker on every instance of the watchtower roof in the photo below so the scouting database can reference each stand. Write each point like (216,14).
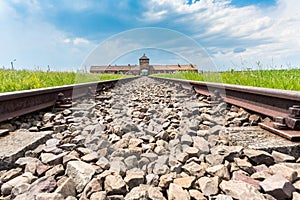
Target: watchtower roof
(144,57)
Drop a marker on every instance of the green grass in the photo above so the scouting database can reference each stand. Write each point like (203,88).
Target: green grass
(279,79)
(13,80)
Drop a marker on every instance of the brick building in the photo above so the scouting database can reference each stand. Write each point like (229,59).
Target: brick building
(144,68)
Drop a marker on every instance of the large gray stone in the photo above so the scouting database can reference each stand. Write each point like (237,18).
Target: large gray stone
(131,162)
(194,169)
(128,127)
(49,196)
(10,174)
(176,192)
(186,139)
(228,152)
(56,170)
(185,182)
(43,184)
(278,186)
(214,159)
(24,178)
(52,159)
(134,177)
(118,166)
(145,192)
(192,152)
(220,171)
(182,157)
(241,190)
(295,166)
(209,186)
(152,179)
(161,169)
(166,179)
(134,142)
(114,185)
(93,156)
(23,161)
(80,172)
(95,185)
(245,165)
(285,171)
(103,163)
(151,156)
(67,188)
(201,144)
(51,146)
(19,189)
(282,157)
(14,145)
(241,176)
(33,165)
(259,157)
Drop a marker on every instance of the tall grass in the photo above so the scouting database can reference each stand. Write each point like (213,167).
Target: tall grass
(279,79)
(12,80)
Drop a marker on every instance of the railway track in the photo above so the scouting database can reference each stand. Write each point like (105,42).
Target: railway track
(145,138)
(14,104)
(282,106)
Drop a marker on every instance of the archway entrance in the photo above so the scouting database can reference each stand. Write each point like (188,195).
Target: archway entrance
(144,72)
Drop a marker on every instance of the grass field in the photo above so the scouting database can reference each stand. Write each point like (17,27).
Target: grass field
(279,79)
(13,80)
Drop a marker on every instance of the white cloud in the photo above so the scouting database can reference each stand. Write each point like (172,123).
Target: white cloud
(155,16)
(79,41)
(267,34)
(76,41)
(67,40)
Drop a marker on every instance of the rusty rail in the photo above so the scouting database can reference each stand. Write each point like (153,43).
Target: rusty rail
(269,102)
(14,104)
(273,103)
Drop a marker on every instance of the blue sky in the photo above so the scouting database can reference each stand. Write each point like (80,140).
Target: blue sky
(234,33)
(264,3)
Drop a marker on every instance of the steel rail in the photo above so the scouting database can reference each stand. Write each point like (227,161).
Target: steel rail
(14,104)
(269,102)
